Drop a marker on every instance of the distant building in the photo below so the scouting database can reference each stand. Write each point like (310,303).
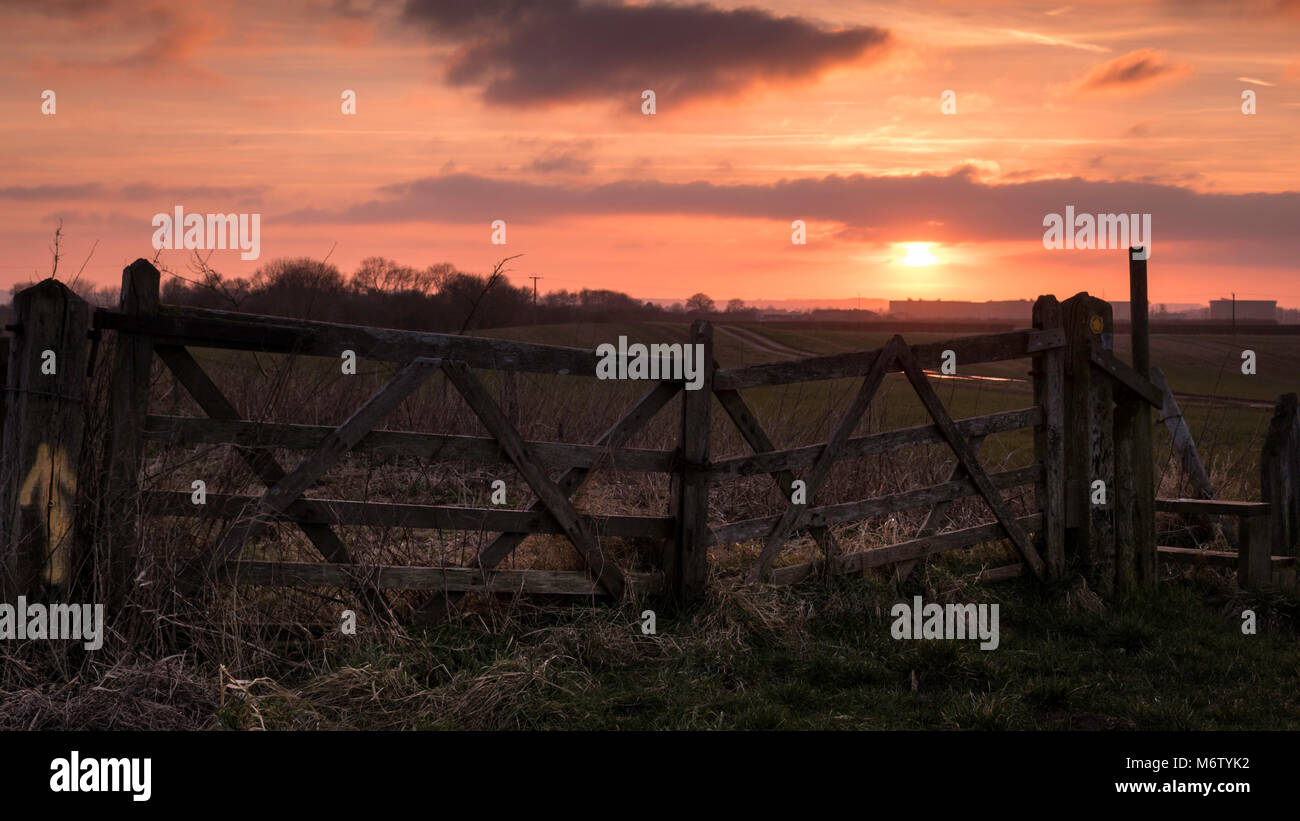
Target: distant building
(1018,310)
(1246,309)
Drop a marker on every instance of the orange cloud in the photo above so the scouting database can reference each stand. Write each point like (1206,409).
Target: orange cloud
(1134,72)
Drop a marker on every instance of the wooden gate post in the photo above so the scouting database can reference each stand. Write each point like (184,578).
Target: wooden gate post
(43,431)
(688,569)
(1279,474)
(1135,492)
(124,456)
(1090,447)
(1049,438)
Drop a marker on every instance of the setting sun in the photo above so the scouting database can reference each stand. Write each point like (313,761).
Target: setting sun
(918,254)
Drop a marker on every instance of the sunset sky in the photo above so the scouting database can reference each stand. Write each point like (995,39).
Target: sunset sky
(531,112)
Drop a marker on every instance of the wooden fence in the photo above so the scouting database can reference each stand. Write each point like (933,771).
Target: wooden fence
(1090,417)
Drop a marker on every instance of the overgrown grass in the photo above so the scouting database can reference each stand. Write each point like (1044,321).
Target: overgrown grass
(820,657)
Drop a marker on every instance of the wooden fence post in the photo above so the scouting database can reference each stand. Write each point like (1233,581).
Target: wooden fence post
(1135,493)
(1049,438)
(689,568)
(1279,473)
(42,441)
(124,456)
(1090,448)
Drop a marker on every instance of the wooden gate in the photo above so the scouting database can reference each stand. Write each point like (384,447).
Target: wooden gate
(1088,415)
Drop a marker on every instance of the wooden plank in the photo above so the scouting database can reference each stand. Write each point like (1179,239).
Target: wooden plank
(1126,377)
(201,327)
(1279,474)
(125,451)
(415,517)
(880,506)
(776,461)
(1183,443)
(40,552)
(692,561)
(1193,555)
(1049,437)
(1221,558)
(934,406)
(555,499)
(283,493)
(1217,506)
(437,606)
(457,579)
(821,469)
(970,350)
(904,551)
(179,430)
(938,513)
(752,432)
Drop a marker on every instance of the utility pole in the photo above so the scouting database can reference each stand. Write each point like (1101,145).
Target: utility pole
(1234,313)
(534,279)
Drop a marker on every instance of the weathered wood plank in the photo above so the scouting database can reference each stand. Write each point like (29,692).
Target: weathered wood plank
(1221,558)
(179,430)
(971,350)
(1126,377)
(437,606)
(205,328)
(457,579)
(822,467)
(1183,443)
(415,517)
(556,500)
(1216,506)
(934,406)
(904,551)
(880,506)
(776,461)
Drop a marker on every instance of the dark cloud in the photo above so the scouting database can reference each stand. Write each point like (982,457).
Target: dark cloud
(531,53)
(955,207)
(147,190)
(50,192)
(1137,69)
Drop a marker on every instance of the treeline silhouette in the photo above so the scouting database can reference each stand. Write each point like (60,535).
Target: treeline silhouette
(384,293)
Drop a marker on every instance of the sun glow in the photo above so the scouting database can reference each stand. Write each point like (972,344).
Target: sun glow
(919,254)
